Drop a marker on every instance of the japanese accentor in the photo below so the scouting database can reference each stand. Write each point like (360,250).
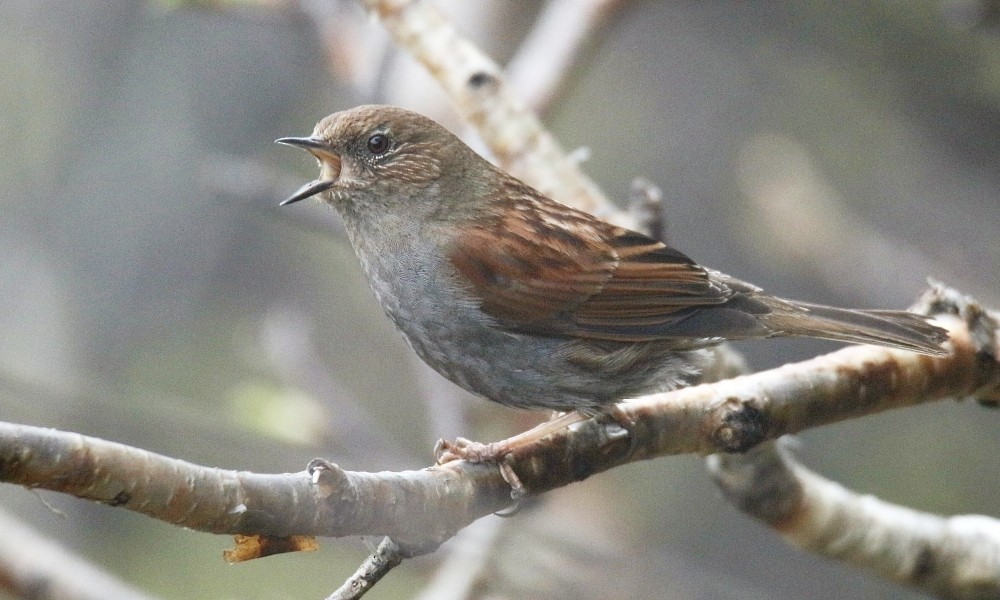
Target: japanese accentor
(531,303)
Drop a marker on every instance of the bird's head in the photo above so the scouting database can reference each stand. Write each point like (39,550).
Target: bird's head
(378,153)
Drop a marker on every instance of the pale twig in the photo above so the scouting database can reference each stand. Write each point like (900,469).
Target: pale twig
(386,557)
(957,557)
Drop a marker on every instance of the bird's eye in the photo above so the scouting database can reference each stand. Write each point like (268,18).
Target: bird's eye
(378,143)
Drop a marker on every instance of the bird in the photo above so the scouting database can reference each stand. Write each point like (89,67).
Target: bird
(529,302)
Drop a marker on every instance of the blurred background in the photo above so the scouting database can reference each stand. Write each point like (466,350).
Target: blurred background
(152,293)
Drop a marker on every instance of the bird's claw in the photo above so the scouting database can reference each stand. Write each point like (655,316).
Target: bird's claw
(517,490)
(446,451)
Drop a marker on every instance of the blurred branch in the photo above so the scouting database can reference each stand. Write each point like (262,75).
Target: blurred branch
(956,557)
(34,567)
(463,570)
(547,55)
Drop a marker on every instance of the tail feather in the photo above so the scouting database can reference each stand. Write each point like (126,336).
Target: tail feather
(890,328)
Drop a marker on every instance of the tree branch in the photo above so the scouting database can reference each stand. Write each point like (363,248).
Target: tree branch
(956,557)
(420,509)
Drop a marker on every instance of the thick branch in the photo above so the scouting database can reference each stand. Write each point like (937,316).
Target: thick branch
(419,509)
(956,557)
(427,506)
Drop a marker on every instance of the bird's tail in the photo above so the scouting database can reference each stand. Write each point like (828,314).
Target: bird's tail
(890,328)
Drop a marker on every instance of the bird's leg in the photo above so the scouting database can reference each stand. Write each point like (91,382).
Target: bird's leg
(497,452)
(463,449)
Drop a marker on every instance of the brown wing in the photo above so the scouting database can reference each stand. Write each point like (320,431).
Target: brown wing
(545,268)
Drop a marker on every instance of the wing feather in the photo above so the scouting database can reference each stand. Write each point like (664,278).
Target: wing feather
(549,269)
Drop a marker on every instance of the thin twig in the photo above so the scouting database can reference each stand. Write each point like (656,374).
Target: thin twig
(386,557)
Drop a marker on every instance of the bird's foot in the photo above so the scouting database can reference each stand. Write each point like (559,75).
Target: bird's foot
(446,451)
(499,453)
(462,449)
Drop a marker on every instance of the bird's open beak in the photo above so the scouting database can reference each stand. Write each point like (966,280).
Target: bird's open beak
(309,190)
(329,163)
